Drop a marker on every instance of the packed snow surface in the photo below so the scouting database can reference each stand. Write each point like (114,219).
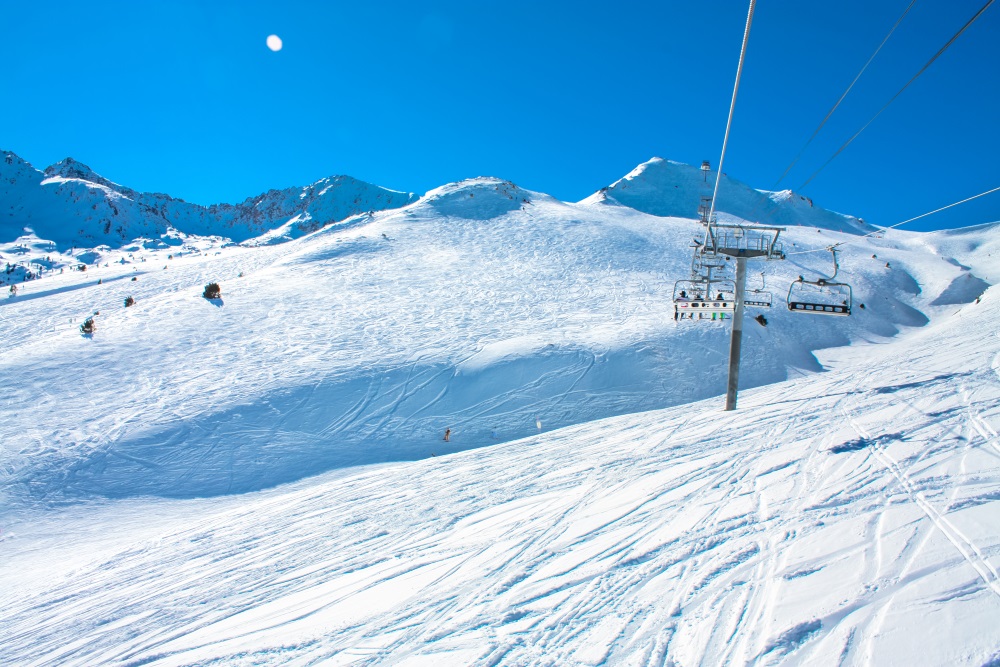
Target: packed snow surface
(262,479)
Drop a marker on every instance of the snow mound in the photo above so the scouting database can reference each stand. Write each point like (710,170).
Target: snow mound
(481,198)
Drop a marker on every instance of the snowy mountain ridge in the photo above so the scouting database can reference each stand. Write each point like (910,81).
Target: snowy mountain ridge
(71,205)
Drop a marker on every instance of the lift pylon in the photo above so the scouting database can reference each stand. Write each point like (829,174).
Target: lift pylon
(741,242)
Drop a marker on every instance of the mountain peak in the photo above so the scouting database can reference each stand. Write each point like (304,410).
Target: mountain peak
(71,168)
(668,188)
(14,166)
(10,157)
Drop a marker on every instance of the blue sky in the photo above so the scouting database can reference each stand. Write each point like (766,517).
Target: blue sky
(560,97)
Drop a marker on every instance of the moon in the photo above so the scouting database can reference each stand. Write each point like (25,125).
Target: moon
(274,42)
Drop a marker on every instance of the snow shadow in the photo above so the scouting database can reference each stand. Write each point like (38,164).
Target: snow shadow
(385,415)
(792,638)
(893,388)
(337,248)
(864,443)
(28,296)
(963,289)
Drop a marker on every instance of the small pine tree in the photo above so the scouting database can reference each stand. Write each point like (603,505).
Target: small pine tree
(88,327)
(129,301)
(212,291)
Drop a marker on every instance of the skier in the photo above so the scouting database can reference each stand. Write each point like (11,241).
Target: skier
(447,435)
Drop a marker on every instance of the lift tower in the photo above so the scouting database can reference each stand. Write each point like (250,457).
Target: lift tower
(741,242)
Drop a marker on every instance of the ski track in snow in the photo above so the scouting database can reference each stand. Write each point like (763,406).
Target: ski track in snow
(844,517)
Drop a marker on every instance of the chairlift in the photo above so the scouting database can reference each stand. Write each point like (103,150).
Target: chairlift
(702,261)
(700,298)
(735,240)
(758,297)
(825,296)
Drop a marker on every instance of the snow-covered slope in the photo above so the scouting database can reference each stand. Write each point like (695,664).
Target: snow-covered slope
(846,517)
(483,308)
(593,504)
(71,205)
(666,188)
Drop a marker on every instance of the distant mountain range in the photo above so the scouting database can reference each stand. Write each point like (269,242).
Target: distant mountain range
(71,205)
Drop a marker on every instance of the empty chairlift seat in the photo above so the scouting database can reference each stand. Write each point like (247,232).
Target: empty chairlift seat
(820,297)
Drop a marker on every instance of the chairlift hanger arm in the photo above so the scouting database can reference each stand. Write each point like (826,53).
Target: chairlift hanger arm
(836,265)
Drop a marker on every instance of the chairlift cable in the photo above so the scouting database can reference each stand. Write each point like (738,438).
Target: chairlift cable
(924,215)
(844,94)
(893,98)
(898,224)
(729,122)
(774,187)
(941,51)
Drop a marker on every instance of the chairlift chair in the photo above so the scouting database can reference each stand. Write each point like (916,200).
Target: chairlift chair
(758,297)
(700,298)
(823,296)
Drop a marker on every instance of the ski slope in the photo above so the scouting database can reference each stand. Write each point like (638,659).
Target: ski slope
(263,480)
(847,517)
(483,308)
